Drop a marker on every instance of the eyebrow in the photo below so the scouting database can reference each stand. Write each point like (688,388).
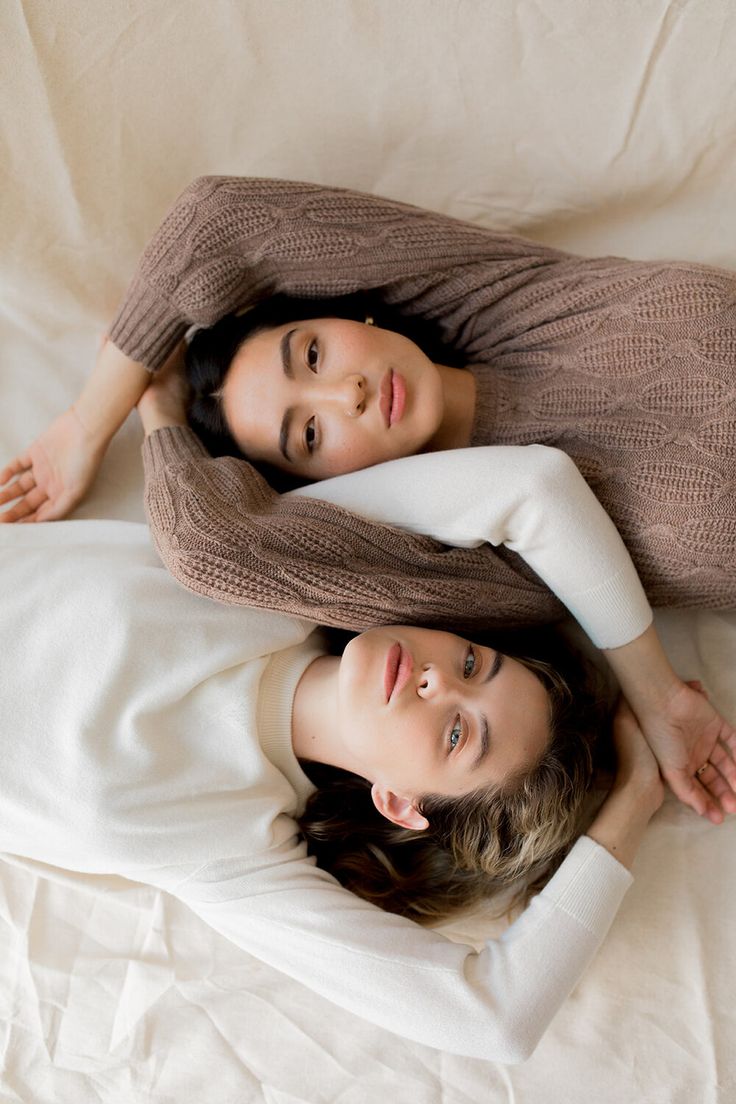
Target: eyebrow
(485,732)
(285,348)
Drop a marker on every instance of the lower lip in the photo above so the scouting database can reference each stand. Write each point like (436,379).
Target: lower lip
(399,665)
(398,398)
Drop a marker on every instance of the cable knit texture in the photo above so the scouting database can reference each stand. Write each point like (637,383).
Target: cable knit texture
(627,366)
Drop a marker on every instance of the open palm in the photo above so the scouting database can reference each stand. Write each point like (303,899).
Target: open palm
(691,735)
(48,479)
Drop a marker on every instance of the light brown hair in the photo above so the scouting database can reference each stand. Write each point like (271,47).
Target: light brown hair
(511,835)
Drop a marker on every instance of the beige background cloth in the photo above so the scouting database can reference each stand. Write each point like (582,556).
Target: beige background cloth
(602,128)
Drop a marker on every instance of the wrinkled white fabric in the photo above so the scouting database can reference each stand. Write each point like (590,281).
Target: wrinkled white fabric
(596,128)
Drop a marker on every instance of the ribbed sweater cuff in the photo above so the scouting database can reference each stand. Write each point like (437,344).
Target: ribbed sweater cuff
(589,886)
(171,445)
(615,611)
(147,327)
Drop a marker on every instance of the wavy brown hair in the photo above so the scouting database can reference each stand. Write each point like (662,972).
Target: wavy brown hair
(493,839)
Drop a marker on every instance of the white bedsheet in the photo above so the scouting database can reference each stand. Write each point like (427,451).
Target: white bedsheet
(602,128)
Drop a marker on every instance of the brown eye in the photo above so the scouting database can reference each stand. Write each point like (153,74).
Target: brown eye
(310,436)
(312,355)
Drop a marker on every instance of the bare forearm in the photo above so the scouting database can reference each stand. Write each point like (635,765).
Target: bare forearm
(645,675)
(112,390)
(620,823)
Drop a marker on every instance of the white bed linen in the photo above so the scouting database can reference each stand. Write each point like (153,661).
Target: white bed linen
(601,128)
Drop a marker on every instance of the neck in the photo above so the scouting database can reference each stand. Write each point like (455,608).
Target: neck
(458,388)
(314,734)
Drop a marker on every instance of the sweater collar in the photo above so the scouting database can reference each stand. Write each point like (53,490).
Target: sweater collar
(275,701)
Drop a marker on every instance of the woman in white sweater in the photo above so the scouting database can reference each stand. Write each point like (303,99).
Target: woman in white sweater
(157,735)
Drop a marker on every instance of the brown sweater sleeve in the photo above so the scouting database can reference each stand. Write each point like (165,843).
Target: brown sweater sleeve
(229,241)
(222,532)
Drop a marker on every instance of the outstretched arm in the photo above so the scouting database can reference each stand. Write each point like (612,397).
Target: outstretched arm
(684,730)
(49,478)
(225,243)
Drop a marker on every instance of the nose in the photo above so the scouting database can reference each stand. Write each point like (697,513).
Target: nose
(433,682)
(348,394)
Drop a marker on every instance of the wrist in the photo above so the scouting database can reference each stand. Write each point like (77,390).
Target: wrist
(644,673)
(643,796)
(621,821)
(157,416)
(98,428)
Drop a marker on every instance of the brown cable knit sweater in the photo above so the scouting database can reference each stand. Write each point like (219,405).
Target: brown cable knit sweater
(628,366)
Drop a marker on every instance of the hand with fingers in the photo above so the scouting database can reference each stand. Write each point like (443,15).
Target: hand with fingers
(53,474)
(48,479)
(696,751)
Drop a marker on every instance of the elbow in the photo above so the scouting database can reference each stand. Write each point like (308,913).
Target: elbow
(557,472)
(197,190)
(517,1052)
(517,1045)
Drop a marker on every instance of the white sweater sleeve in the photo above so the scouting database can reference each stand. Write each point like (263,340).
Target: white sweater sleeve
(530,498)
(493,1004)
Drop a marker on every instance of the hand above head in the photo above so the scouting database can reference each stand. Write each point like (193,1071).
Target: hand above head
(683,729)
(696,750)
(48,479)
(636,765)
(636,794)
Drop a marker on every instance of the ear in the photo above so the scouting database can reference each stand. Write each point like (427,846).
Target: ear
(399,810)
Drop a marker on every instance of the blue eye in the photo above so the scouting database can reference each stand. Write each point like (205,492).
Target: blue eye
(455,734)
(470,663)
(312,355)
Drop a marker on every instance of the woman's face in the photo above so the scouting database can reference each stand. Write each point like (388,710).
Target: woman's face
(328,396)
(425,711)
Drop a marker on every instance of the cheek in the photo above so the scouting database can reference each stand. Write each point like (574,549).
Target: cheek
(351,448)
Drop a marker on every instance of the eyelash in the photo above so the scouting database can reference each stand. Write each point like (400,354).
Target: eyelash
(458,725)
(310,428)
(310,442)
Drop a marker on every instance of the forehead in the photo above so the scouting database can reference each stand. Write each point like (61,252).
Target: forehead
(253,394)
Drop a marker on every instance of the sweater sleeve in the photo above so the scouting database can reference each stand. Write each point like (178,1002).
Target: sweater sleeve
(530,498)
(224,533)
(229,241)
(493,1004)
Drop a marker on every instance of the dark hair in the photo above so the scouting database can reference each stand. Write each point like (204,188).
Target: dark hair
(211,352)
(493,839)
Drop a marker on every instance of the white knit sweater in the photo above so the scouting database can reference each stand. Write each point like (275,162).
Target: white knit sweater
(146,732)
(529,498)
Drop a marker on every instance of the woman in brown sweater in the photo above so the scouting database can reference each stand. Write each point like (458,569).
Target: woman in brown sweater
(598,357)
(626,366)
